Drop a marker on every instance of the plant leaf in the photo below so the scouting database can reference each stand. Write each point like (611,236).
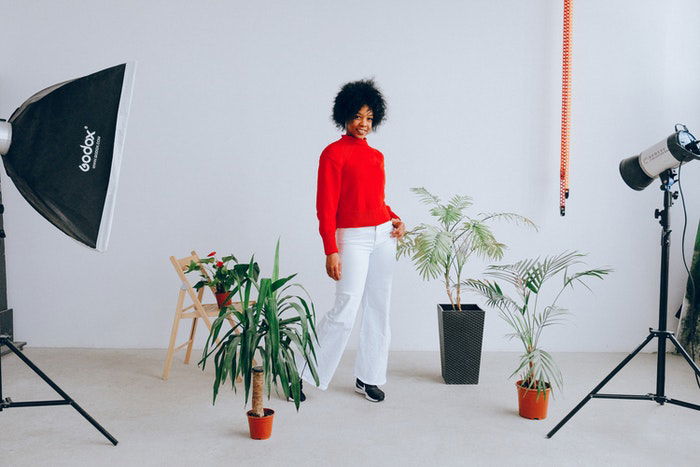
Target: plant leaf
(425,196)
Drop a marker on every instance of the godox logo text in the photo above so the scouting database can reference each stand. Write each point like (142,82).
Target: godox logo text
(87,148)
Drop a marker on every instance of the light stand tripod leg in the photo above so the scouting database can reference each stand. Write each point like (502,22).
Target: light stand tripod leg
(687,405)
(692,364)
(600,385)
(683,352)
(68,400)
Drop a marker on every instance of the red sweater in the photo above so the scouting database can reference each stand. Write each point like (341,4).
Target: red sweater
(350,189)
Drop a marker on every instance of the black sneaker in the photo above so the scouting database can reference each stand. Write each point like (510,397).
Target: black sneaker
(372,393)
(302,396)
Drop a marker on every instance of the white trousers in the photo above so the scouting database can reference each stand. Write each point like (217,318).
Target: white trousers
(367,258)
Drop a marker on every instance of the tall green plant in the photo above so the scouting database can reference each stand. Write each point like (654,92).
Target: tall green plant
(523,312)
(276,327)
(444,248)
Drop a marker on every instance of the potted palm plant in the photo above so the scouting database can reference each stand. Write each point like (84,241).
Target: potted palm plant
(528,316)
(441,251)
(277,328)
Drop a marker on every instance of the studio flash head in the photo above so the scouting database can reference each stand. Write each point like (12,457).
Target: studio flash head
(639,171)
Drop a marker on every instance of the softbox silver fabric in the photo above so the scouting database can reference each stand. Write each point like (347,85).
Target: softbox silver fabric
(66,151)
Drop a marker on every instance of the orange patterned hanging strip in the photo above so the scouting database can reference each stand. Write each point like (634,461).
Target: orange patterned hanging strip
(565,109)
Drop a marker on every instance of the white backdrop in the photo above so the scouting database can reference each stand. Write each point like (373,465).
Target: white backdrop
(232,107)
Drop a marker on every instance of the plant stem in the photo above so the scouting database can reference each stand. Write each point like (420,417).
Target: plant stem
(449,290)
(458,284)
(559,294)
(459,297)
(258,392)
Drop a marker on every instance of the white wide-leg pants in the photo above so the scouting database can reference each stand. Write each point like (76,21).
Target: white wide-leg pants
(367,258)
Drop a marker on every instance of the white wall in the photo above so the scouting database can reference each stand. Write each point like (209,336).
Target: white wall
(231,110)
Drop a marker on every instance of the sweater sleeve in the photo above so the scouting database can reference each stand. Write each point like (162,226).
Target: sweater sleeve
(327,196)
(392,214)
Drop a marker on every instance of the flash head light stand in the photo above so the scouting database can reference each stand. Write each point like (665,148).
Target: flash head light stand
(668,179)
(15,347)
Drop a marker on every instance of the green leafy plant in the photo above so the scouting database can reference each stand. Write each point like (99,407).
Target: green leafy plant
(444,248)
(276,328)
(526,316)
(216,273)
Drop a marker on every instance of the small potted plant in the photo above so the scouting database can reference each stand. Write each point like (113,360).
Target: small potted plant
(278,328)
(528,316)
(441,250)
(216,274)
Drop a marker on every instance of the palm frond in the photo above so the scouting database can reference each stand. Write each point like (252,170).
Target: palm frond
(432,247)
(481,240)
(447,215)
(516,219)
(425,196)
(539,368)
(553,265)
(460,202)
(580,276)
(492,292)
(551,315)
(532,273)
(515,274)
(406,245)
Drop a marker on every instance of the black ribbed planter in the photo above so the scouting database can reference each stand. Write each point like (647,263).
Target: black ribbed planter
(461,334)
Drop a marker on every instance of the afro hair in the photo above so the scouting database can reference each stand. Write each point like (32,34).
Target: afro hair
(352,97)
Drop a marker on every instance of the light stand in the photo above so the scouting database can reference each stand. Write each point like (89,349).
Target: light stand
(6,340)
(7,403)
(662,334)
(6,326)
(16,348)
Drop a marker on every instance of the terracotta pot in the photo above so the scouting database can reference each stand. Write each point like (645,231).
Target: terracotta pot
(261,427)
(531,404)
(220,297)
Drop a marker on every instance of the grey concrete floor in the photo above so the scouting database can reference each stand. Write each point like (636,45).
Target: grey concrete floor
(422,422)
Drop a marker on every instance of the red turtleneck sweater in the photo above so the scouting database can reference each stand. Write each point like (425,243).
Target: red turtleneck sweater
(350,189)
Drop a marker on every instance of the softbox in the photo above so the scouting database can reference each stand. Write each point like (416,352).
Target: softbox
(66,148)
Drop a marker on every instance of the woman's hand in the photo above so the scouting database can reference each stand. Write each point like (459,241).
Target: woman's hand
(399,228)
(333,266)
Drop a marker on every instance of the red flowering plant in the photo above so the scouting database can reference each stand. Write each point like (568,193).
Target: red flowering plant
(217,274)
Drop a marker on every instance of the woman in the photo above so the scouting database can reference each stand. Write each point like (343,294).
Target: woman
(359,233)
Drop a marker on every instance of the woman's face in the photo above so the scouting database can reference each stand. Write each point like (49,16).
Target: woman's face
(361,125)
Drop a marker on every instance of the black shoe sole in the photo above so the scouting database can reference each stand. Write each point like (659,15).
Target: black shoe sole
(362,391)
